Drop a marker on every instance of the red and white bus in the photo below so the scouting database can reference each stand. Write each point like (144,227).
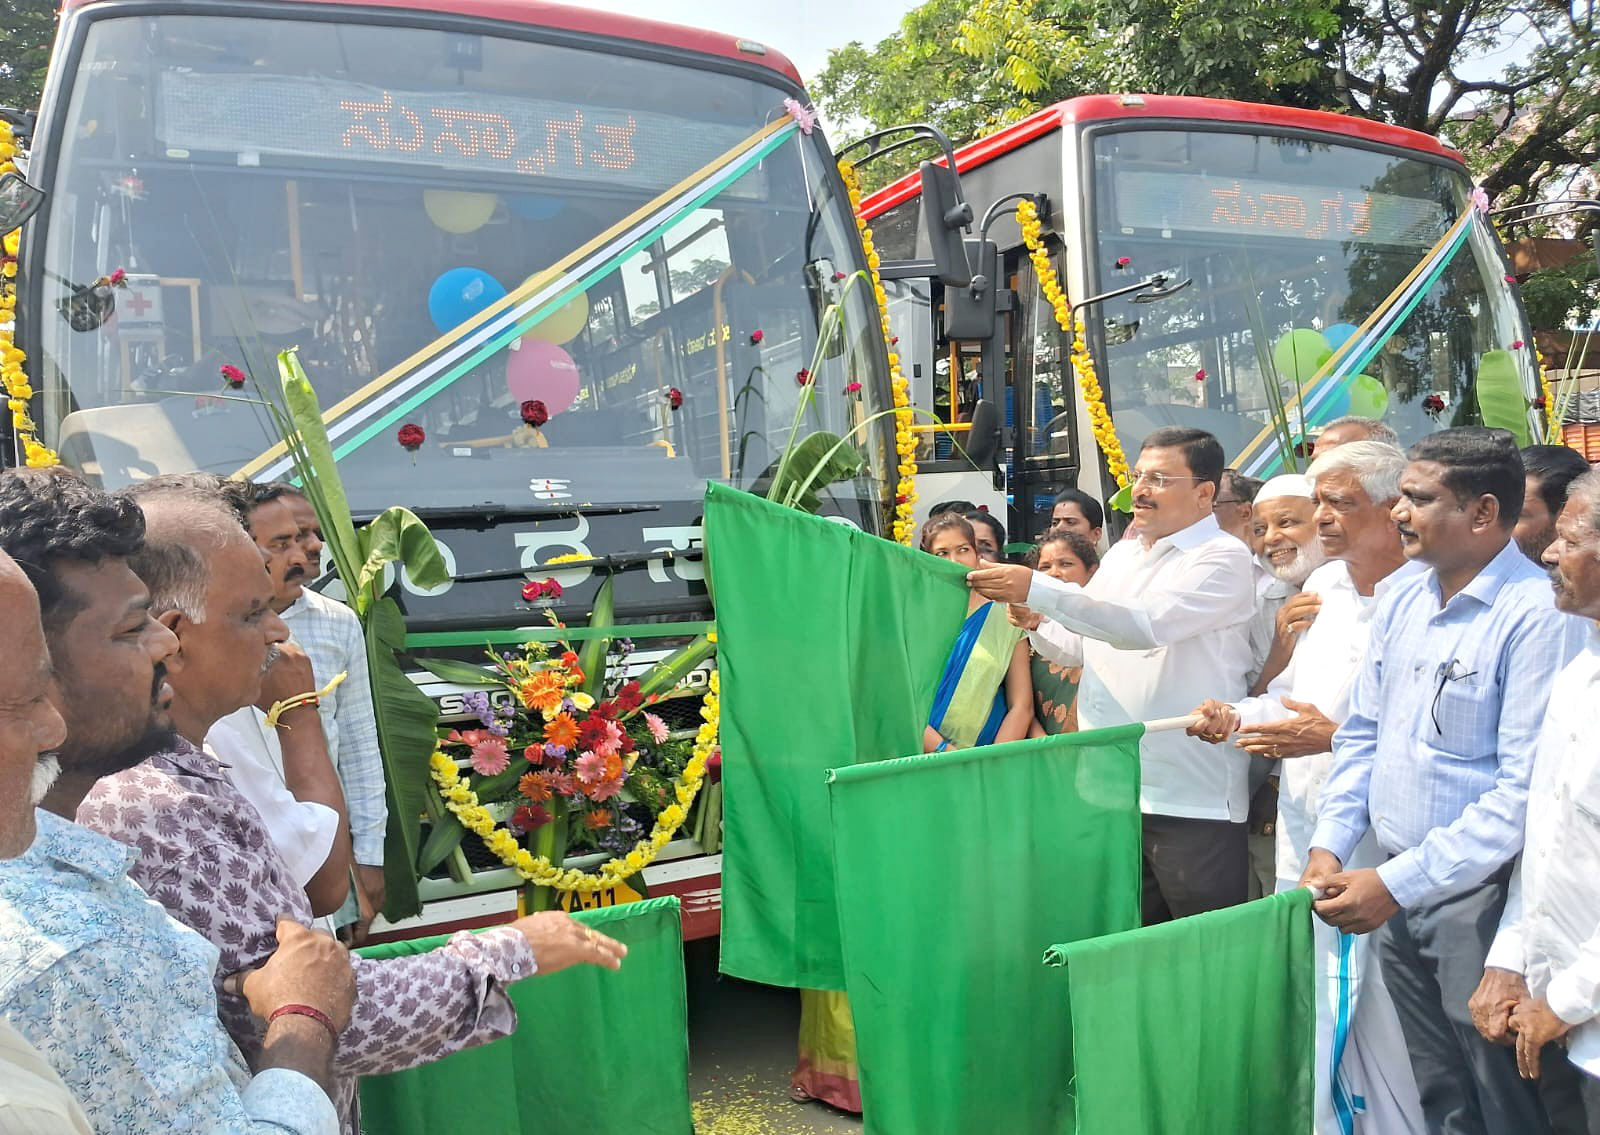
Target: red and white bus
(362,179)
(1259,221)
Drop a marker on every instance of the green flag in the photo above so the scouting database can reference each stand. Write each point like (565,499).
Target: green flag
(1199,1024)
(956,870)
(831,642)
(595,1051)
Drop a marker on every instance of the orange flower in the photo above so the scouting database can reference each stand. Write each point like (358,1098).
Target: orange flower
(544,690)
(562,730)
(599,818)
(535,787)
(612,767)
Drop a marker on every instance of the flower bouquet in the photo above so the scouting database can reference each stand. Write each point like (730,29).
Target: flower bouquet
(571,772)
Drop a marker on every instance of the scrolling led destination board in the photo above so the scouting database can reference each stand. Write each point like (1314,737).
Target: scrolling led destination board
(206,113)
(1247,206)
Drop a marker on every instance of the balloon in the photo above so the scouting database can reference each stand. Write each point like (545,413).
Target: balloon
(1337,404)
(564,323)
(458,211)
(1297,354)
(459,294)
(1339,333)
(534,208)
(542,370)
(1368,397)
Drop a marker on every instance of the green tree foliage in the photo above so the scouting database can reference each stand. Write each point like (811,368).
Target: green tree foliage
(27,28)
(1527,128)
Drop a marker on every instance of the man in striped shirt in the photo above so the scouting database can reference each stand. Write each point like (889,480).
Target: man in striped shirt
(284,527)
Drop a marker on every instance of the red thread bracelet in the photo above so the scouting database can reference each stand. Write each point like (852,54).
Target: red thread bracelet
(311,1011)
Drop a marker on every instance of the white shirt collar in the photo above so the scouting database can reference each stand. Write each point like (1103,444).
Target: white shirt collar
(1191,537)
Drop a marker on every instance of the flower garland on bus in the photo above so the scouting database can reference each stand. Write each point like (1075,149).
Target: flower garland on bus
(585,772)
(1094,398)
(18,391)
(905,442)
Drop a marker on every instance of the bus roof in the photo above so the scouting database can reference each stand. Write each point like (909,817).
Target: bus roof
(541,13)
(1094,108)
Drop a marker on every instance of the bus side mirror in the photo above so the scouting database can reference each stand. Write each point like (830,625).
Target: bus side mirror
(18,201)
(970,312)
(944,217)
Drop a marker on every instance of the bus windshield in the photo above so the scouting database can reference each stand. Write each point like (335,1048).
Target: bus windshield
(1291,245)
(451,228)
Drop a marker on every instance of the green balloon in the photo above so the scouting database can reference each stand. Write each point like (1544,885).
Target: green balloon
(1298,353)
(1368,397)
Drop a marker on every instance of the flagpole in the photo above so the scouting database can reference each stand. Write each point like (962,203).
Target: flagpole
(1163,724)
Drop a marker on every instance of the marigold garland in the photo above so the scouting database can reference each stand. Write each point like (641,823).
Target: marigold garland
(905,442)
(18,390)
(1094,398)
(537,869)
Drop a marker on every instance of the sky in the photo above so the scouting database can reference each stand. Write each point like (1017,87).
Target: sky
(803,30)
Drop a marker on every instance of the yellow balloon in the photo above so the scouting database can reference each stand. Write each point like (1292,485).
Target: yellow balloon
(564,323)
(458,211)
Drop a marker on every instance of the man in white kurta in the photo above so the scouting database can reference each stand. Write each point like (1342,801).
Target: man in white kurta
(1164,620)
(1363,1074)
(1542,974)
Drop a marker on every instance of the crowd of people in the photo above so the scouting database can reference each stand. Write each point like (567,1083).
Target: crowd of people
(1387,662)
(191,798)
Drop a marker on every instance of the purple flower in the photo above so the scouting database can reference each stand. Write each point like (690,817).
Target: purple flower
(555,752)
(499,728)
(477,704)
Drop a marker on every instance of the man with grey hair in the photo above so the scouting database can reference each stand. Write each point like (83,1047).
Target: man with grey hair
(204,854)
(1342,431)
(1542,972)
(1354,487)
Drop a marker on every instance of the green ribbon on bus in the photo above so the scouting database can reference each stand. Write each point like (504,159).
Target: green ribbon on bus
(597,1051)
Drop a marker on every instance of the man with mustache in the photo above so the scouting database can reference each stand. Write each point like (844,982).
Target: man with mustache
(1458,671)
(205,855)
(1550,469)
(283,525)
(1539,988)
(1292,725)
(1163,623)
(118,996)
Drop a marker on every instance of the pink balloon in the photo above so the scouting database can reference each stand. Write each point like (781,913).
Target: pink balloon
(544,371)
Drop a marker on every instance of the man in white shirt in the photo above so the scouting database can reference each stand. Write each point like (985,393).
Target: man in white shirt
(1541,981)
(283,525)
(1363,1075)
(1163,624)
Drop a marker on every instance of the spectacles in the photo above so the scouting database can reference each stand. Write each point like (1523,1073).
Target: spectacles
(1448,672)
(1159,480)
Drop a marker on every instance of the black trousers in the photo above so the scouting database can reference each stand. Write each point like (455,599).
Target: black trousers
(1192,866)
(1432,956)
(1571,1096)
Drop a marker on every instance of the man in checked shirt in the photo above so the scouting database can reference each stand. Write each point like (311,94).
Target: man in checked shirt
(205,855)
(1435,758)
(284,527)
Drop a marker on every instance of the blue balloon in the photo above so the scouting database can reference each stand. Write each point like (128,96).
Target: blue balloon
(1337,404)
(459,294)
(535,208)
(1339,333)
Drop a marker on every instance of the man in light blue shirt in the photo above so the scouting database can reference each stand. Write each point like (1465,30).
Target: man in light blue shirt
(1435,759)
(118,997)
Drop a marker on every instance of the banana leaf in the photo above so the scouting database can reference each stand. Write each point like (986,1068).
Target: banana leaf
(822,459)
(667,673)
(397,536)
(592,655)
(406,736)
(445,837)
(461,673)
(1501,402)
(319,473)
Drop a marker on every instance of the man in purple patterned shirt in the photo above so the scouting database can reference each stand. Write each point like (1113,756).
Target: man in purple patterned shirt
(205,855)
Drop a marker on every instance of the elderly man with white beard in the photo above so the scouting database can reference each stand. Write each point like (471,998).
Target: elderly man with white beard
(1371,1089)
(1289,553)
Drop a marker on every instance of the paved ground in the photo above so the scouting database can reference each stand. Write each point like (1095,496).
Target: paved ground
(741,1050)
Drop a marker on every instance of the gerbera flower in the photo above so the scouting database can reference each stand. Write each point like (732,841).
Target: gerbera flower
(489,756)
(535,786)
(604,790)
(562,784)
(591,732)
(629,698)
(597,819)
(591,769)
(657,727)
(561,731)
(530,817)
(542,691)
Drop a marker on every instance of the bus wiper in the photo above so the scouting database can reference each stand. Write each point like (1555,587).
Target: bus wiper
(494,511)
